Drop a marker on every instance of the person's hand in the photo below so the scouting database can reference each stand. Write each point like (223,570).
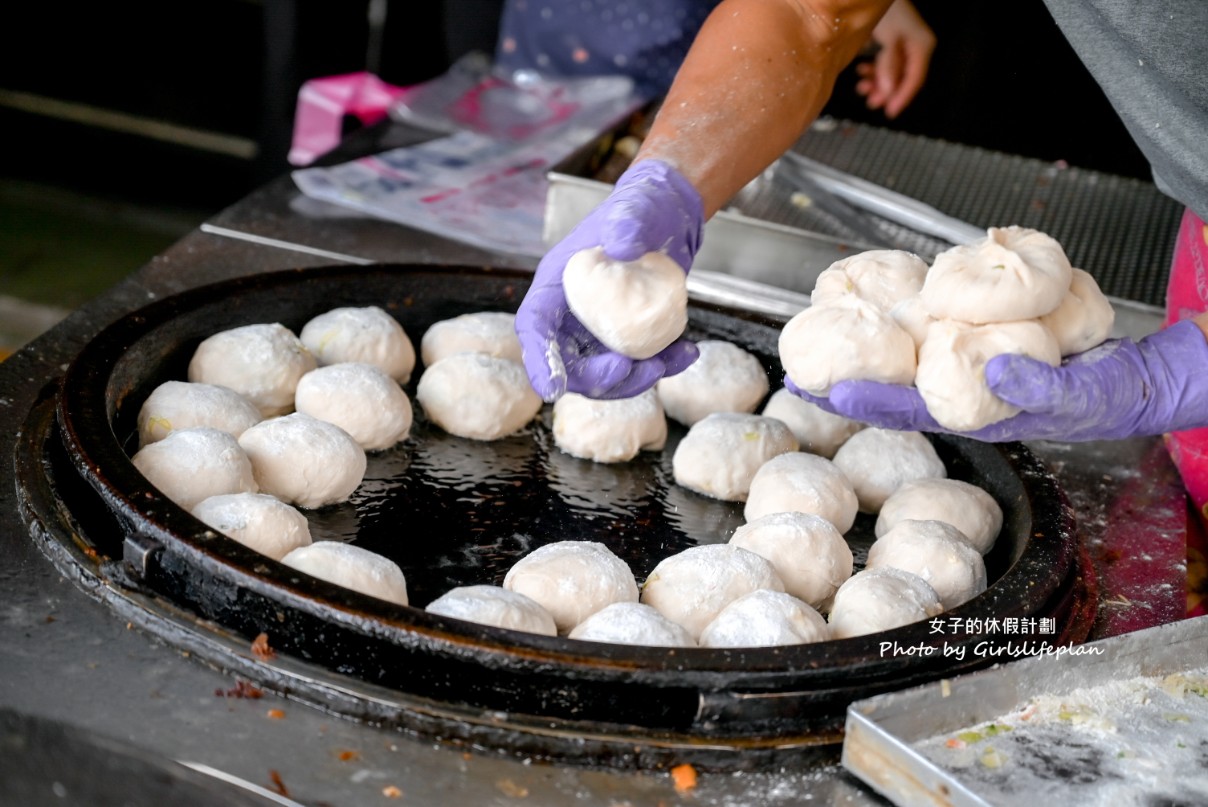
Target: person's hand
(1120,389)
(652,208)
(896,73)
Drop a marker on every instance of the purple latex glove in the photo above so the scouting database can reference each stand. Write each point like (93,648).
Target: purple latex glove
(1120,389)
(652,208)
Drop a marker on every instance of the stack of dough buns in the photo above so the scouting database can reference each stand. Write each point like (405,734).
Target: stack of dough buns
(886,316)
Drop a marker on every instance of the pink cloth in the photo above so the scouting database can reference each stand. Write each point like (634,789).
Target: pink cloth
(1186,297)
(323,103)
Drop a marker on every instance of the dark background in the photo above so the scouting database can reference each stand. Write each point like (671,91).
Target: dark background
(1002,78)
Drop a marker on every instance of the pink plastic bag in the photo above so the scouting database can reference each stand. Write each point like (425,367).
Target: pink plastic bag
(323,103)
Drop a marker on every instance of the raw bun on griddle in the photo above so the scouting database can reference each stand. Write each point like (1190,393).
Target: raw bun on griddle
(803,483)
(609,430)
(352,568)
(194,464)
(725,378)
(721,453)
(817,431)
(636,308)
(632,623)
(849,339)
(359,398)
(261,362)
(490,332)
(1085,317)
(256,520)
(367,335)
(965,506)
(765,618)
(183,405)
(477,396)
(879,461)
(572,580)
(807,551)
(951,378)
(882,277)
(493,605)
(881,599)
(303,460)
(692,587)
(935,551)
(1013,273)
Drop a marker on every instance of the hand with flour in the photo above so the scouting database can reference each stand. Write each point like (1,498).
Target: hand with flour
(653,208)
(1119,389)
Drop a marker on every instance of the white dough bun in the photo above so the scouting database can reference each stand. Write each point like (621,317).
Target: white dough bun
(1085,317)
(817,431)
(808,553)
(881,277)
(609,430)
(477,396)
(879,461)
(572,580)
(490,332)
(721,453)
(632,623)
(496,606)
(1014,273)
(351,567)
(803,483)
(262,362)
(951,377)
(824,345)
(303,460)
(765,618)
(724,378)
(636,308)
(935,551)
(367,334)
(965,506)
(876,600)
(256,520)
(359,398)
(692,587)
(194,464)
(184,405)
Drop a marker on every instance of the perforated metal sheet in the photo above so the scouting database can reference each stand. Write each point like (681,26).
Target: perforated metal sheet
(1119,229)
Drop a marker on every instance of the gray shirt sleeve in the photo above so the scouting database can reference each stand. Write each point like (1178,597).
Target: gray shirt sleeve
(1151,59)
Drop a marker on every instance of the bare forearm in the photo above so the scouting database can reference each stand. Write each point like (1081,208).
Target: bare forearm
(758,73)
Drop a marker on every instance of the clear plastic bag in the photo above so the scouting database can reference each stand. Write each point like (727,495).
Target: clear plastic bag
(518,105)
(485,182)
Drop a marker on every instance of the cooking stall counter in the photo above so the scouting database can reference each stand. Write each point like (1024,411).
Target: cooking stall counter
(83,659)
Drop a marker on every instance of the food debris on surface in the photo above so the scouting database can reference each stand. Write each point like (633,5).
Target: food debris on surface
(1139,740)
(260,648)
(684,777)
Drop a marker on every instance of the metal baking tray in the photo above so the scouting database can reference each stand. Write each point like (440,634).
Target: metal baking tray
(992,738)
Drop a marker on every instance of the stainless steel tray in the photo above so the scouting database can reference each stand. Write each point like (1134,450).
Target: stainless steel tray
(1111,693)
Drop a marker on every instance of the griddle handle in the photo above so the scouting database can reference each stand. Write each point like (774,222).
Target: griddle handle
(141,553)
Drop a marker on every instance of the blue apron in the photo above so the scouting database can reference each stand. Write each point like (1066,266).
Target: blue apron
(643,39)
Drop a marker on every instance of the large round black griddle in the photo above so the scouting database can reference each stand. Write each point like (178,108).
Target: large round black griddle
(452,512)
